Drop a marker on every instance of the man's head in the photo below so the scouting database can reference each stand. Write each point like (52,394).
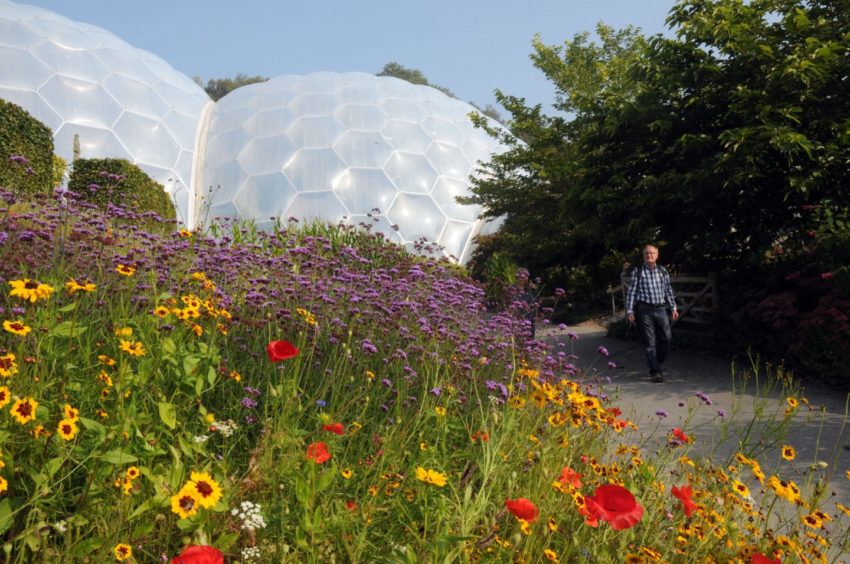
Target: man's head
(650,255)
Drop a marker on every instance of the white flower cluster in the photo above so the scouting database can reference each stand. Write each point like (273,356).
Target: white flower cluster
(201,438)
(251,516)
(250,553)
(226,428)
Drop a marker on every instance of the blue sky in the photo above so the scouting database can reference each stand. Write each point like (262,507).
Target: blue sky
(469,46)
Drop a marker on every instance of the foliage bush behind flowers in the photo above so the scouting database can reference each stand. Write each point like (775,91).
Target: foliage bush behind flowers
(312,394)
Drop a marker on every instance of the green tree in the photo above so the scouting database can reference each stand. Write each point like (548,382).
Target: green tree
(218,88)
(414,76)
(717,140)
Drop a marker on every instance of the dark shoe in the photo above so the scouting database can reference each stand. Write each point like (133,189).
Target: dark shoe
(657,377)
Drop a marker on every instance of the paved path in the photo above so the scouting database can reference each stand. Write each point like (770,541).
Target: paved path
(819,435)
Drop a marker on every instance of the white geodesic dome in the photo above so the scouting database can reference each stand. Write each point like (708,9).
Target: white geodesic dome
(123,102)
(347,147)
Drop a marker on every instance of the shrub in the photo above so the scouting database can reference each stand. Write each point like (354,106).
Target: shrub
(59,167)
(26,150)
(119,182)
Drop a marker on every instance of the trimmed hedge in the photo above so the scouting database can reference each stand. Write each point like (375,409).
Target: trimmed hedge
(26,151)
(119,182)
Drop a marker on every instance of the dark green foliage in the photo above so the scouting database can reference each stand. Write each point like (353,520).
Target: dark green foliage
(21,135)
(218,88)
(414,76)
(119,182)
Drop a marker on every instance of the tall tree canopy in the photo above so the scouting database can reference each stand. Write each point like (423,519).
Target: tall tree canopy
(719,141)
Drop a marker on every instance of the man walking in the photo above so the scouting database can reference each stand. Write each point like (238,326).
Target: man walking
(650,295)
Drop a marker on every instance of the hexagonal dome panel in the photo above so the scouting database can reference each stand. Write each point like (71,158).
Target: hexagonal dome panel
(365,189)
(122,102)
(267,195)
(358,142)
(417,217)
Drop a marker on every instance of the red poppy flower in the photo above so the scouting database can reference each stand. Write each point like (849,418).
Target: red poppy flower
(351,505)
(758,558)
(571,477)
(522,509)
(199,555)
(335,428)
(615,504)
(683,494)
(679,434)
(281,350)
(318,452)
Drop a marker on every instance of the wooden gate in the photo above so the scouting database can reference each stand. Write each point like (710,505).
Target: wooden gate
(696,299)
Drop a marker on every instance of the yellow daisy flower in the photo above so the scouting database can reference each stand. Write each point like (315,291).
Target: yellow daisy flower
(4,485)
(123,552)
(24,410)
(72,286)
(125,270)
(205,489)
(5,397)
(8,367)
(185,503)
(67,429)
(16,327)
(441,411)
(70,412)
(132,348)
(430,477)
(788,452)
(346,473)
(30,290)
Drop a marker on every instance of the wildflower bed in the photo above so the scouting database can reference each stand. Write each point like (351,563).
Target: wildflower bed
(315,394)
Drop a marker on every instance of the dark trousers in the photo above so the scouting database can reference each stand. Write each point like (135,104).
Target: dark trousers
(654,326)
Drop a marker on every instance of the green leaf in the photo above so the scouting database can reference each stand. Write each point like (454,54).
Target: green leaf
(212,376)
(118,457)
(67,329)
(143,529)
(190,363)
(301,491)
(325,480)
(70,307)
(168,414)
(53,465)
(87,546)
(5,515)
(226,540)
(167,346)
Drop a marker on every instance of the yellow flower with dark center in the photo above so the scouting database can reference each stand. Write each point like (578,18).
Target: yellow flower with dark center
(5,397)
(105,378)
(788,452)
(185,503)
(124,332)
(30,290)
(741,488)
(8,366)
(197,330)
(430,477)
(235,376)
(787,490)
(4,485)
(123,552)
(346,473)
(161,311)
(650,553)
(40,431)
(70,412)
(106,360)
(73,286)
(550,555)
(16,327)
(67,429)
(792,402)
(441,411)
(125,270)
(185,233)
(132,348)
(843,508)
(205,488)
(133,472)
(24,410)
(552,524)
(102,413)
(813,521)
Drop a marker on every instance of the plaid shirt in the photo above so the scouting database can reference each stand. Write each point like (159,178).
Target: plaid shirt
(654,288)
